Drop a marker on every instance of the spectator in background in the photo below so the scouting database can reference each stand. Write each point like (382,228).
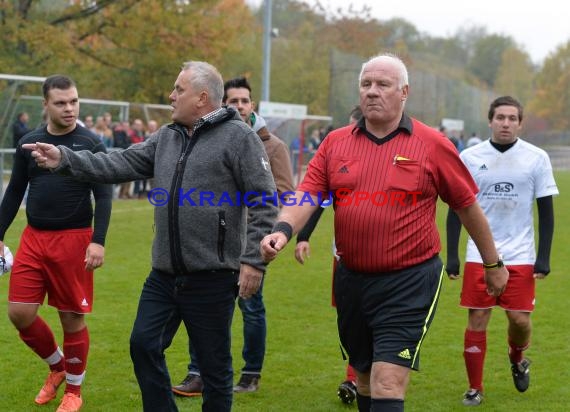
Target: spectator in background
(138,136)
(88,122)
(473,140)
(295,149)
(461,142)
(314,141)
(103,132)
(355,115)
(137,131)
(20,128)
(122,140)
(237,93)
(108,117)
(151,127)
(453,139)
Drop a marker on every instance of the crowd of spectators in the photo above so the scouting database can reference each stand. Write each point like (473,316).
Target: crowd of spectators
(122,134)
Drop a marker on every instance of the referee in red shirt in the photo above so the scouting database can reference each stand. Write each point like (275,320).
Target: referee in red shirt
(385,174)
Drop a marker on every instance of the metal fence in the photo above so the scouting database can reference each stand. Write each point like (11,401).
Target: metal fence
(23,94)
(432,96)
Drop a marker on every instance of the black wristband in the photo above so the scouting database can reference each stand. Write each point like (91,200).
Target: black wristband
(284,228)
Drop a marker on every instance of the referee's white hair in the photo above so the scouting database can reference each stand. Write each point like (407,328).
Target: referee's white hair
(393,59)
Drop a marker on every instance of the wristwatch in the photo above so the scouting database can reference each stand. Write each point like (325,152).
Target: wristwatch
(498,264)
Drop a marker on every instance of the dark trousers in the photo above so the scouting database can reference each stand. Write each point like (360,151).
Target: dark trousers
(254,335)
(254,331)
(205,302)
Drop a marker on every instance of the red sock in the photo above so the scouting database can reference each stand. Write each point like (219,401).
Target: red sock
(76,348)
(350,374)
(516,351)
(475,347)
(39,337)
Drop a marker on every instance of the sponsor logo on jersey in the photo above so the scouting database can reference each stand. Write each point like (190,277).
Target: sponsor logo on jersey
(502,187)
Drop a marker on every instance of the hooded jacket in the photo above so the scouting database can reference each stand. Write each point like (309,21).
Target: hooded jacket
(202,185)
(278,154)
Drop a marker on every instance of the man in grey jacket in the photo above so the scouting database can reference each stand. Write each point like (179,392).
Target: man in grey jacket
(208,168)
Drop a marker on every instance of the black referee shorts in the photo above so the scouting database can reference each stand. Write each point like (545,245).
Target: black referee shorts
(384,317)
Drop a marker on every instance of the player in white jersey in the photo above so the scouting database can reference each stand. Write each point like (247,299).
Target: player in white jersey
(511,174)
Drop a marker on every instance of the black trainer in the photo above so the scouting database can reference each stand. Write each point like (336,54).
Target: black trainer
(521,375)
(248,382)
(472,397)
(192,385)
(346,392)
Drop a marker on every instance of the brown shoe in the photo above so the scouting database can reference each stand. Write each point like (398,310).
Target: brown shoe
(192,385)
(248,382)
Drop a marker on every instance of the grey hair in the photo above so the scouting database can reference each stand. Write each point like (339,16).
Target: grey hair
(393,59)
(207,77)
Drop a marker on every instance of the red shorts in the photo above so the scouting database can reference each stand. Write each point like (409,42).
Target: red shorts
(53,262)
(518,296)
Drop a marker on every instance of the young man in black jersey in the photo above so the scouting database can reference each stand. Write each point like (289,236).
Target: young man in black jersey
(58,249)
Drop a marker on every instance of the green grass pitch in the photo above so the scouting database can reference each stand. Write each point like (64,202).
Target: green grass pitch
(303,366)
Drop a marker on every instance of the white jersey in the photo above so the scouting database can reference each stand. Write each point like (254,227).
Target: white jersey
(509,183)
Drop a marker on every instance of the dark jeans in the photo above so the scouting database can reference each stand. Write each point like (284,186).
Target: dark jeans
(254,334)
(139,187)
(205,302)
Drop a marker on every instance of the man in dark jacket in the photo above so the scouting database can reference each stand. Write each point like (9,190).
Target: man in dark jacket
(20,128)
(208,166)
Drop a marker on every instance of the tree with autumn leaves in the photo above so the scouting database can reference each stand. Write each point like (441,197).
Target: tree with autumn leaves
(122,49)
(132,49)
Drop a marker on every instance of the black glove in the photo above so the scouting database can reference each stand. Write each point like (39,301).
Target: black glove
(541,267)
(452,267)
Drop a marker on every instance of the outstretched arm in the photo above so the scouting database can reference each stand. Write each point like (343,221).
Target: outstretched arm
(134,163)
(46,155)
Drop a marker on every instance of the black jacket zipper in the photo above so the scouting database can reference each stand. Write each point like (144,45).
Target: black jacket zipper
(222,228)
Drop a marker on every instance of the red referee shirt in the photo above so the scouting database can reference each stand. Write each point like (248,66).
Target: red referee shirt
(385,192)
